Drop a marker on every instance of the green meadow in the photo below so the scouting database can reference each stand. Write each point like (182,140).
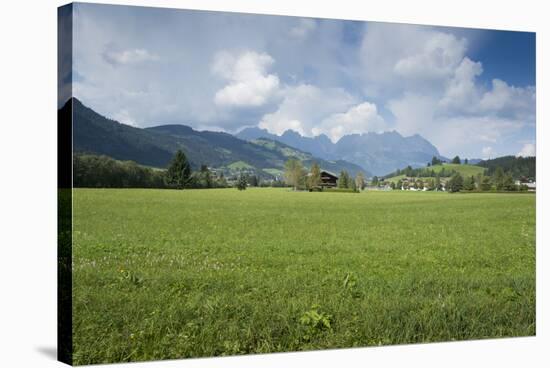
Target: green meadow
(463,169)
(161,274)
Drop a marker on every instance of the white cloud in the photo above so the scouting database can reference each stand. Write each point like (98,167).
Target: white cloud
(249,82)
(304,27)
(124,57)
(436,57)
(361,118)
(397,57)
(509,100)
(433,89)
(487,152)
(414,113)
(304,106)
(423,76)
(311,111)
(461,93)
(450,132)
(527,150)
(123,116)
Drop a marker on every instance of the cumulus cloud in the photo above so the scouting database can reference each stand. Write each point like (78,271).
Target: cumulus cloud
(431,87)
(399,56)
(450,132)
(304,106)
(462,93)
(512,101)
(249,83)
(527,150)
(436,57)
(358,119)
(310,75)
(124,57)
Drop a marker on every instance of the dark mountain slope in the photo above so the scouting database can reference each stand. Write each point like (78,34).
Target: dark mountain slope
(94,133)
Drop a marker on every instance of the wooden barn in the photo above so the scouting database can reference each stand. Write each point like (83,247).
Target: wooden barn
(328,180)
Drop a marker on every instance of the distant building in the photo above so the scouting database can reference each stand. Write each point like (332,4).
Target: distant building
(328,180)
(531,185)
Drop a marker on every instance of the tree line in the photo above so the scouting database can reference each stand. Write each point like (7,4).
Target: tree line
(500,181)
(99,171)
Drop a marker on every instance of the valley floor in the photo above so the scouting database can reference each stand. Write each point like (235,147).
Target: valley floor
(163,274)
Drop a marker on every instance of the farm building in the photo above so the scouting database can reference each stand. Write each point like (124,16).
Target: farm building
(328,180)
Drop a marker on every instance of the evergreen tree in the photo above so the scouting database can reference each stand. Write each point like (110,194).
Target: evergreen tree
(499,178)
(508,182)
(343,180)
(253,180)
(456,160)
(241,182)
(437,183)
(374,181)
(465,161)
(179,171)
(435,161)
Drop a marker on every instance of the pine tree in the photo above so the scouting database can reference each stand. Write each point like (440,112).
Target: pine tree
(499,178)
(179,171)
(374,181)
(437,182)
(343,181)
(241,182)
(508,183)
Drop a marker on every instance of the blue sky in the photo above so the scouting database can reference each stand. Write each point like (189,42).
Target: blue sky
(470,92)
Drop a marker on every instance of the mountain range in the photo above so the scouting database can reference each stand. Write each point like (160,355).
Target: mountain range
(155,146)
(378,153)
(253,149)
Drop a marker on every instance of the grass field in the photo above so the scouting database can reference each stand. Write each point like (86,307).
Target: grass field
(163,274)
